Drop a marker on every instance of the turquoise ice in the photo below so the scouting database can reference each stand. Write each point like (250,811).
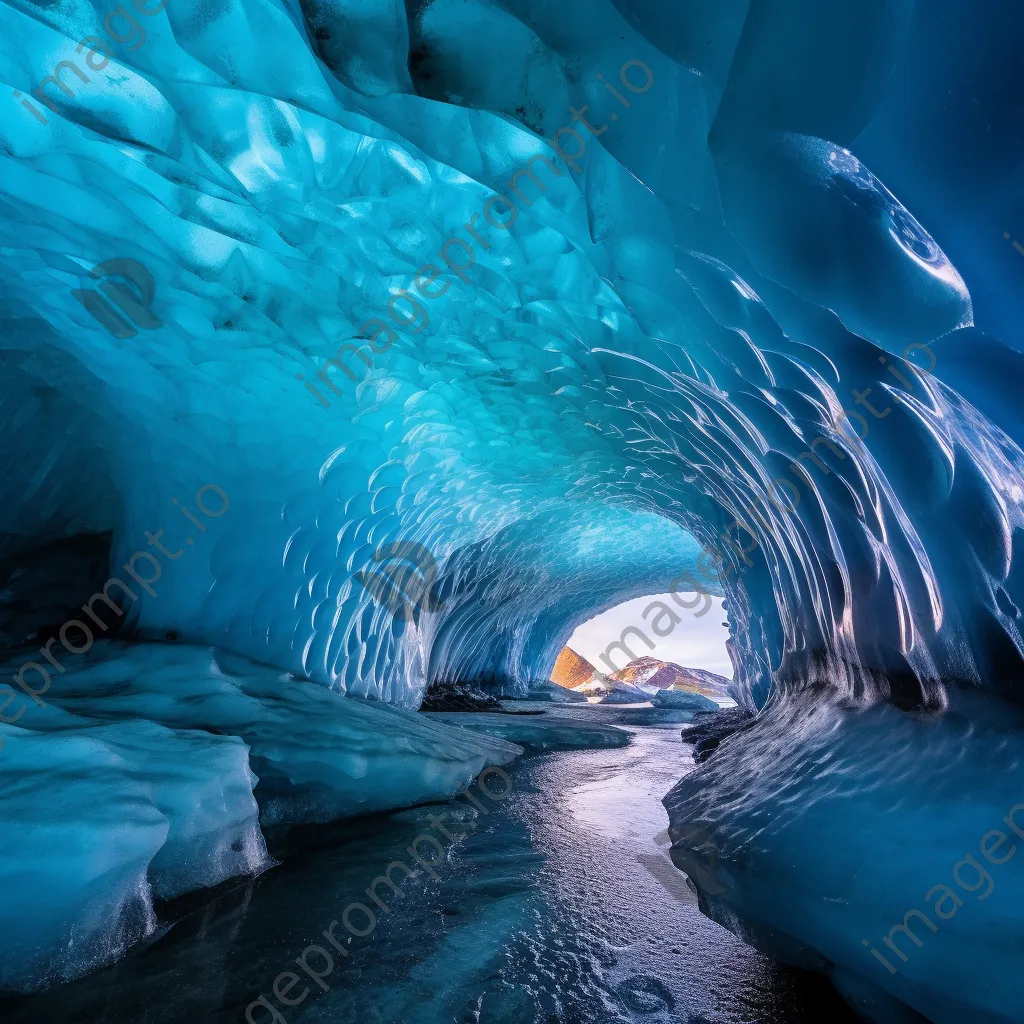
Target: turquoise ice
(581,298)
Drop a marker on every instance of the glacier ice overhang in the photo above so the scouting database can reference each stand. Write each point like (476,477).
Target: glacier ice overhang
(710,327)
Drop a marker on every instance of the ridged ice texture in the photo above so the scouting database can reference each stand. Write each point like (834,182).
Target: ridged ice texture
(661,333)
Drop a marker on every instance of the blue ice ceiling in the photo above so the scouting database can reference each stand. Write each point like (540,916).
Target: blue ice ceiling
(651,340)
(580,298)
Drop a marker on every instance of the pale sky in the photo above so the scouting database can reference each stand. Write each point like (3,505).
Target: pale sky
(696,642)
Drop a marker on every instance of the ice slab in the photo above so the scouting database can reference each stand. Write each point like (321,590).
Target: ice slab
(318,755)
(97,820)
(875,846)
(547,690)
(623,693)
(539,732)
(683,700)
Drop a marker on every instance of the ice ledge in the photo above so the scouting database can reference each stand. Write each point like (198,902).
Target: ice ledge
(868,844)
(146,771)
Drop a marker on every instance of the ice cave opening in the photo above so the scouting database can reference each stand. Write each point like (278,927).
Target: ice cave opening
(654,625)
(670,641)
(353,353)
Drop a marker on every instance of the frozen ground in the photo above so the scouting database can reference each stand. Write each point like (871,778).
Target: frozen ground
(545,914)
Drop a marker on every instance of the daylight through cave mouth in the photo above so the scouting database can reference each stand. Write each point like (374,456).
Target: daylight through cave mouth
(384,358)
(683,628)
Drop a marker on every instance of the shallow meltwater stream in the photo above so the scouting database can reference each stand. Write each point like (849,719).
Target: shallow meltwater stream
(556,903)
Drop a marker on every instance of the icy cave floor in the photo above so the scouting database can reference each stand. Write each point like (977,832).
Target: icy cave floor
(560,905)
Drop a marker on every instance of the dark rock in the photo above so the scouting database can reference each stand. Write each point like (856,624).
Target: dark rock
(458,697)
(709,728)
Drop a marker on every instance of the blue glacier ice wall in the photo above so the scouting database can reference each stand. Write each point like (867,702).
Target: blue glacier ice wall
(691,293)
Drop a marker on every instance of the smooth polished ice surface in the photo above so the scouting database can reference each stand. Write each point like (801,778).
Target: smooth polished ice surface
(881,849)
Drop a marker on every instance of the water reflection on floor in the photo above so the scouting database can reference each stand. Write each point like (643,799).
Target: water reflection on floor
(560,906)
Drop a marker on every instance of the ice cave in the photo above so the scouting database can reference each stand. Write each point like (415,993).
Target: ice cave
(355,353)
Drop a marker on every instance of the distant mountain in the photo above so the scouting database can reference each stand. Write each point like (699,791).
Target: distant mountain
(572,670)
(652,674)
(638,680)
